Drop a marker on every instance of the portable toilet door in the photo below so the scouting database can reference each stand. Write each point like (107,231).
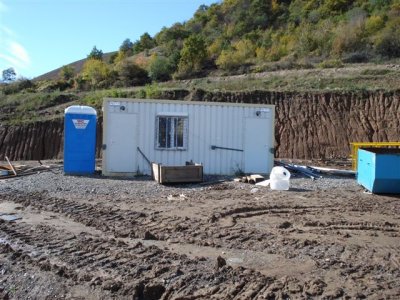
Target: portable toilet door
(80,140)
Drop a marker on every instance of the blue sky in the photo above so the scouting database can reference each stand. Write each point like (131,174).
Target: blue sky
(37,36)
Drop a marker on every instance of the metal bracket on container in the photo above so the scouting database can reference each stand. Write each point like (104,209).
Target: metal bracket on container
(213,147)
(104,146)
(272,150)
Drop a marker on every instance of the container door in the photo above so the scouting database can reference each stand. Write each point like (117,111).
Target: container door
(257,136)
(122,143)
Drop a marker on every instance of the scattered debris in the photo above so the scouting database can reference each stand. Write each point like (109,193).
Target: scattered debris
(253,179)
(23,170)
(315,172)
(11,166)
(3,172)
(176,197)
(10,217)
(331,171)
(264,183)
(254,190)
(307,171)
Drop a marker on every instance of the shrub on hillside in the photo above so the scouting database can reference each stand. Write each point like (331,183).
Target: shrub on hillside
(67,72)
(20,85)
(152,91)
(95,71)
(240,53)
(373,24)
(159,68)
(193,55)
(335,6)
(245,49)
(349,38)
(387,43)
(356,57)
(331,63)
(54,85)
(81,83)
(216,47)
(131,74)
(227,60)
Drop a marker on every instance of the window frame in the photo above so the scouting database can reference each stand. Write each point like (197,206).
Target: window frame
(172,132)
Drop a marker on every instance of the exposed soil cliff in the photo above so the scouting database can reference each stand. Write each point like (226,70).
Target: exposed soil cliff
(40,140)
(308,125)
(311,125)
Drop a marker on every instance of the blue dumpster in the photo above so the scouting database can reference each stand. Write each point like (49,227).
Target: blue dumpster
(80,140)
(378,170)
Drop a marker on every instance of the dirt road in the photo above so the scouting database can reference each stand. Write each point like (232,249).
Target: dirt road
(99,238)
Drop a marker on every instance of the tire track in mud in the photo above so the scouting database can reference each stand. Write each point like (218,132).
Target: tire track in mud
(127,223)
(125,269)
(201,232)
(345,225)
(214,232)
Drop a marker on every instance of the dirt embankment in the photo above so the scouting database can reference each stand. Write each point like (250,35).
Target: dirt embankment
(308,125)
(34,141)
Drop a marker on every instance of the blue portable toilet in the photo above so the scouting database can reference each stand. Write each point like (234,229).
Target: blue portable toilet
(80,140)
(378,170)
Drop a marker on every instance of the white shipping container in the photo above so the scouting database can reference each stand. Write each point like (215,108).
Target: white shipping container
(225,137)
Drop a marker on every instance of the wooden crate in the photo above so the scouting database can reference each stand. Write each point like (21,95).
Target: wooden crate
(177,174)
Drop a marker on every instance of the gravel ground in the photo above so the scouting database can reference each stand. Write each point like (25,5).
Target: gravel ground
(56,183)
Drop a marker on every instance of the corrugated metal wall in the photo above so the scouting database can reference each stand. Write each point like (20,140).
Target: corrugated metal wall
(208,124)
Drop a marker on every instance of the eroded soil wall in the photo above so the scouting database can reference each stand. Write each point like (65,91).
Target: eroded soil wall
(308,125)
(40,140)
(311,125)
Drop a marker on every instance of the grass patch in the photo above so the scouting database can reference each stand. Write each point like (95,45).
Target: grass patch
(376,72)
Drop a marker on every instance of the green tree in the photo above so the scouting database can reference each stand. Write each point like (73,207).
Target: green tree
(144,43)
(113,57)
(193,54)
(9,75)
(174,33)
(67,72)
(95,54)
(126,47)
(227,60)
(95,71)
(387,43)
(159,68)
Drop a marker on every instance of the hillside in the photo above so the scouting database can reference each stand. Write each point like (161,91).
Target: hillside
(242,36)
(77,66)
(234,45)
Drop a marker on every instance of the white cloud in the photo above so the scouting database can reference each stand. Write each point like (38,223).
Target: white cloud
(19,52)
(12,53)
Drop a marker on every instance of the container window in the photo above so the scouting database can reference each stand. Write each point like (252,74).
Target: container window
(171,132)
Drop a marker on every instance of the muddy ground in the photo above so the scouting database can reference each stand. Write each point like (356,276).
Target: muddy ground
(102,238)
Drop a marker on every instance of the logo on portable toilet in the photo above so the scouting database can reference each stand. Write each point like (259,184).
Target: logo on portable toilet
(80,123)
